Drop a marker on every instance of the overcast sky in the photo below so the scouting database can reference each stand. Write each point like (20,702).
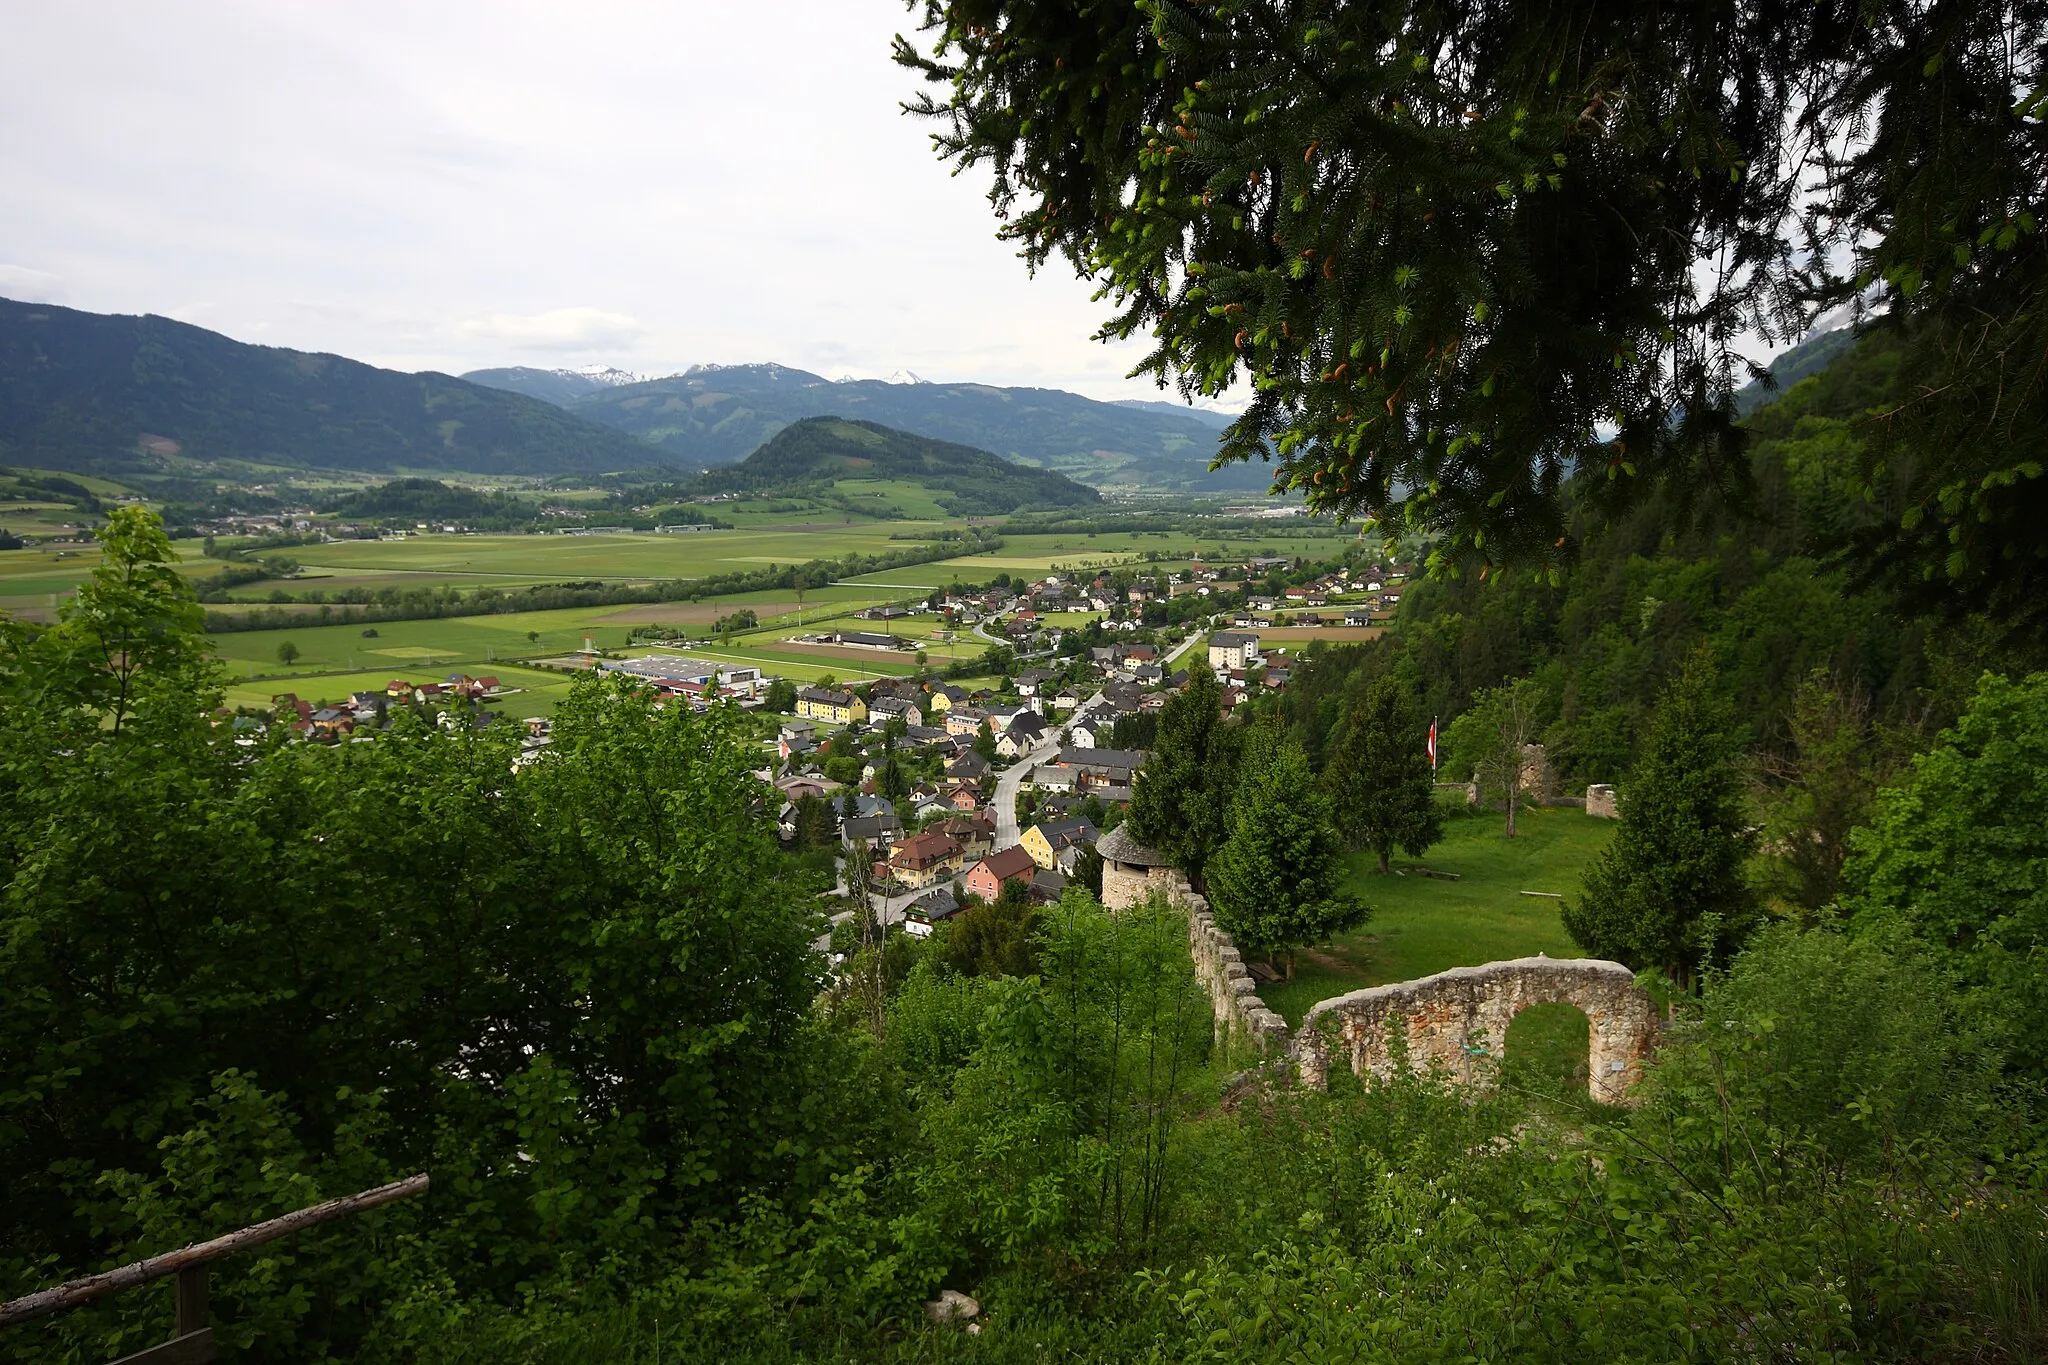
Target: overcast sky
(456,184)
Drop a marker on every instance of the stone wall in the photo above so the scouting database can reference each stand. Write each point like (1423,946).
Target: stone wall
(1458,1021)
(1600,802)
(1241,1017)
(1124,885)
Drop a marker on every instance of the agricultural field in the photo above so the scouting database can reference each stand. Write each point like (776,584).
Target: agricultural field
(1303,635)
(456,643)
(1421,925)
(1034,556)
(695,554)
(528,691)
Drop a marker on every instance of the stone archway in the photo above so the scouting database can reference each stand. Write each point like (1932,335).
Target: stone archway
(1458,1021)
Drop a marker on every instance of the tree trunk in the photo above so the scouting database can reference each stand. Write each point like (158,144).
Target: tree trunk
(1383,862)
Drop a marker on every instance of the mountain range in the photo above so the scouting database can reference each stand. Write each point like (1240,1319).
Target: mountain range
(817,452)
(716,414)
(115,393)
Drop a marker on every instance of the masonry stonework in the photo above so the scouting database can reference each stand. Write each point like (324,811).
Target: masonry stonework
(1458,1021)
(1600,802)
(1240,1013)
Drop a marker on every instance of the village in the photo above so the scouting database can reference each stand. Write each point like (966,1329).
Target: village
(934,794)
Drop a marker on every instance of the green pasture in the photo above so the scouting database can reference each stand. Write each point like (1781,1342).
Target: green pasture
(459,642)
(534,691)
(1422,925)
(892,497)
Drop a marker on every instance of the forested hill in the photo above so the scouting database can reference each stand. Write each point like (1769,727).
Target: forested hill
(716,414)
(968,482)
(93,391)
(1800,650)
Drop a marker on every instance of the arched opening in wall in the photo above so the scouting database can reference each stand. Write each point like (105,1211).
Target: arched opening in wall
(1545,1051)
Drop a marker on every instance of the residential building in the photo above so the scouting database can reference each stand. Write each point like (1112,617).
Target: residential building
(836,708)
(1020,735)
(886,707)
(1047,887)
(987,878)
(935,907)
(1047,839)
(873,832)
(923,859)
(974,832)
(1233,649)
(969,767)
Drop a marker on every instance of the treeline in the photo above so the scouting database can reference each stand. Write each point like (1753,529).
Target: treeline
(431,603)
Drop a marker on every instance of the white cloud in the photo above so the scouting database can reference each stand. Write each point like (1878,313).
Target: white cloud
(30,286)
(557,330)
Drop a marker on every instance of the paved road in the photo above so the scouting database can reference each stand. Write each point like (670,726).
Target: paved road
(1184,647)
(888,909)
(1011,784)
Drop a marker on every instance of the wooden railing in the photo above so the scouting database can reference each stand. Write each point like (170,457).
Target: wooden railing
(192,1343)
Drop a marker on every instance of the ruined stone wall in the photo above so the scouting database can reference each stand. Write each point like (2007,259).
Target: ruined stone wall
(1241,1017)
(1458,1021)
(1600,802)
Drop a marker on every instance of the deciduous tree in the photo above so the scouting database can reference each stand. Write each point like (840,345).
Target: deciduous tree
(1956,852)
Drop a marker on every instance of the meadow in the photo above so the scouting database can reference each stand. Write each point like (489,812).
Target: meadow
(1422,925)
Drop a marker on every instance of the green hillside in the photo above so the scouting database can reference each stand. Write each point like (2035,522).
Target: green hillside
(823,451)
(716,414)
(90,391)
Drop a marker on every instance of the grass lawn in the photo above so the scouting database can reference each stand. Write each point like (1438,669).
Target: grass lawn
(1421,925)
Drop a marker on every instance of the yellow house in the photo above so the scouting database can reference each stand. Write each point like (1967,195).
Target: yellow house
(925,859)
(1038,846)
(837,708)
(941,698)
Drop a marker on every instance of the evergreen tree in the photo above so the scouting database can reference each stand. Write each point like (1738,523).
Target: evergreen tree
(985,741)
(1668,892)
(892,781)
(1489,233)
(814,824)
(1180,800)
(1278,880)
(1379,780)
